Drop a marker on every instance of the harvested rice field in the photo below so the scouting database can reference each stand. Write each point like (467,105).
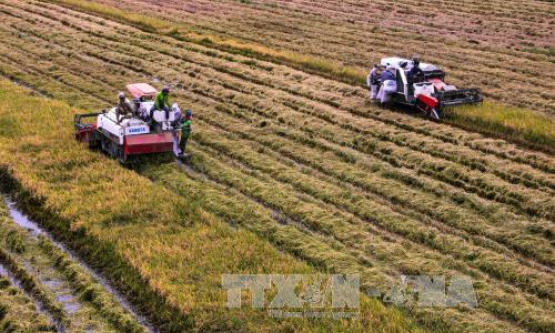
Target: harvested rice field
(292,170)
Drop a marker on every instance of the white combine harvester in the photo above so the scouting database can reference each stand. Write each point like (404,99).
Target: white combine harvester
(432,95)
(143,132)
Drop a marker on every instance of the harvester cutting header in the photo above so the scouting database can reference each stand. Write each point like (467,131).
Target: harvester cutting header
(418,85)
(149,125)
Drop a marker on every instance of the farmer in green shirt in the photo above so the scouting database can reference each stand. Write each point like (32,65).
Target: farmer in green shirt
(162,102)
(186,129)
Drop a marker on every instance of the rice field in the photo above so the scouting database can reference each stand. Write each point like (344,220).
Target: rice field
(290,165)
(168,262)
(504,47)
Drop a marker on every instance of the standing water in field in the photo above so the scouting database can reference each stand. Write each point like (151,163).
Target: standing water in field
(22,220)
(38,306)
(62,289)
(3,271)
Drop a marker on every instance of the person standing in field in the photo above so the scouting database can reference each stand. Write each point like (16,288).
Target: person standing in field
(373,81)
(177,129)
(162,102)
(186,129)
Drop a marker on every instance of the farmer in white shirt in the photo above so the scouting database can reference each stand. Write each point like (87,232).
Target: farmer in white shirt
(373,82)
(389,85)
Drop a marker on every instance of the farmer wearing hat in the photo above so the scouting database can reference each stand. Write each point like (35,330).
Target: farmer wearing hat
(162,102)
(416,74)
(389,85)
(186,129)
(373,82)
(124,108)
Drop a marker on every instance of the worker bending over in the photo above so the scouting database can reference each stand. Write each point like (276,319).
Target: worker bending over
(162,102)
(373,82)
(389,85)
(124,108)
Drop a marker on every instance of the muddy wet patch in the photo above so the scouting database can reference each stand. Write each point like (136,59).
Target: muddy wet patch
(86,302)
(20,310)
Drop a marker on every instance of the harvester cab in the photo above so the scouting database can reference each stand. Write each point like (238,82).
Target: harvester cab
(431,95)
(143,132)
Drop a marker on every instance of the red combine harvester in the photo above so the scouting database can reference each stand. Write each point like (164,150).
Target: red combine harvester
(432,95)
(133,135)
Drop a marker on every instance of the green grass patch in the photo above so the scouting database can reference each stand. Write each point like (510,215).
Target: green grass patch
(518,125)
(144,22)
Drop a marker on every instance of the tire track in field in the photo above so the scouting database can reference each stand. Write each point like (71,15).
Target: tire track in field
(87,301)
(38,311)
